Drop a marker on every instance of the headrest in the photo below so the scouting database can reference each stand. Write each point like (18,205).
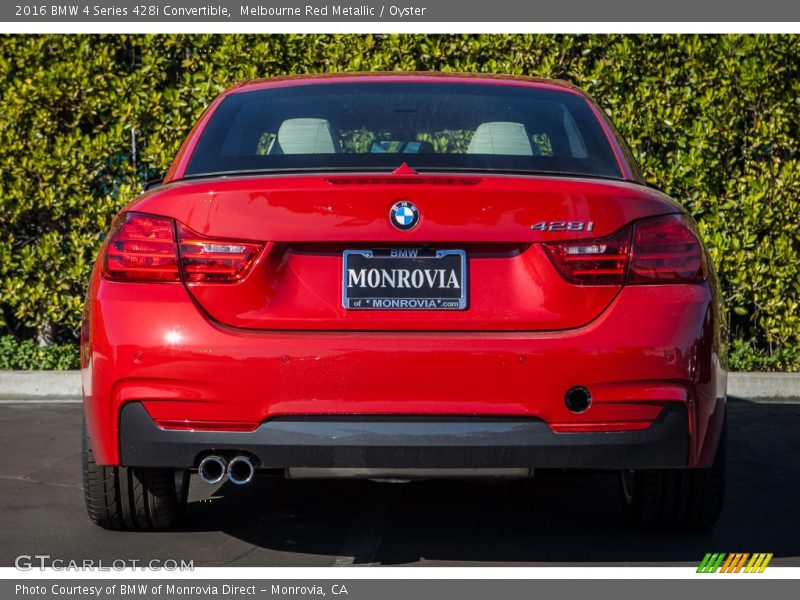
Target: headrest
(500,137)
(304,136)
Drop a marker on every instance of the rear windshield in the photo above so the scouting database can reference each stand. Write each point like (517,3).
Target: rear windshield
(379,126)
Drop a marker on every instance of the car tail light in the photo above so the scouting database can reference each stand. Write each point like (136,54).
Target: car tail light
(667,250)
(593,262)
(660,250)
(141,248)
(144,248)
(213,260)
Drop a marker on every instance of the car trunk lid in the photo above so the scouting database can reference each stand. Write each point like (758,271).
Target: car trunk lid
(308,222)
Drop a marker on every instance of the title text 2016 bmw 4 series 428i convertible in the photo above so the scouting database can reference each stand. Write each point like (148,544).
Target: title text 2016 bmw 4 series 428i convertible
(399,276)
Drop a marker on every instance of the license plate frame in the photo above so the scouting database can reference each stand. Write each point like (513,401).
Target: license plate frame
(394,259)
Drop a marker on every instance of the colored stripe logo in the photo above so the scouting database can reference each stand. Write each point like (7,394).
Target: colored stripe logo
(738,562)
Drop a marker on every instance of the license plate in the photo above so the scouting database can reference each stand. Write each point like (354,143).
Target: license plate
(404,279)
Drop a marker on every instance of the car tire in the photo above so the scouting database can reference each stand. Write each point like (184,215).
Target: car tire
(132,498)
(679,499)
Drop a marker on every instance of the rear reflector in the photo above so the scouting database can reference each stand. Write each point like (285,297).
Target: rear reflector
(192,425)
(141,248)
(144,248)
(659,250)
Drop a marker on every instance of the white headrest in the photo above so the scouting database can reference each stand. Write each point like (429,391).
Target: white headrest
(500,137)
(305,136)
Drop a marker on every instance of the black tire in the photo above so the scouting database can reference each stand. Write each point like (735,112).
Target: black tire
(132,498)
(682,499)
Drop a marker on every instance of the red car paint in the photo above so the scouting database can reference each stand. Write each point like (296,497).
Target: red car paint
(229,356)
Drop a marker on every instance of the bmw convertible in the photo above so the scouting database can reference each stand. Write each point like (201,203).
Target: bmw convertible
(400,276)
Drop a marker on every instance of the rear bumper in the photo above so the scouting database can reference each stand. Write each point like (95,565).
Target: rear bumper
(654,346)
(408,443)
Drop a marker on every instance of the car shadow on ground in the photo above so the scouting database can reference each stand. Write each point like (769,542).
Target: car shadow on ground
(558,517)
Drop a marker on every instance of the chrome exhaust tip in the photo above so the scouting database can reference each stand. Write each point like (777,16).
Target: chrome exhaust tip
(212,469)
(241,470)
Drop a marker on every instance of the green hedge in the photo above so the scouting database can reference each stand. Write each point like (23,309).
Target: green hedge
(84,120)
(27,354)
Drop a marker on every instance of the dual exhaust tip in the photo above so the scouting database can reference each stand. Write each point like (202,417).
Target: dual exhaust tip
(213,469)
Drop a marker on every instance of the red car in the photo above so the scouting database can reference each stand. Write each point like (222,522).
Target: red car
(398,276)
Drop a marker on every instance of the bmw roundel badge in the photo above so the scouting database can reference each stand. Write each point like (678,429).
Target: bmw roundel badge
(404,215)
